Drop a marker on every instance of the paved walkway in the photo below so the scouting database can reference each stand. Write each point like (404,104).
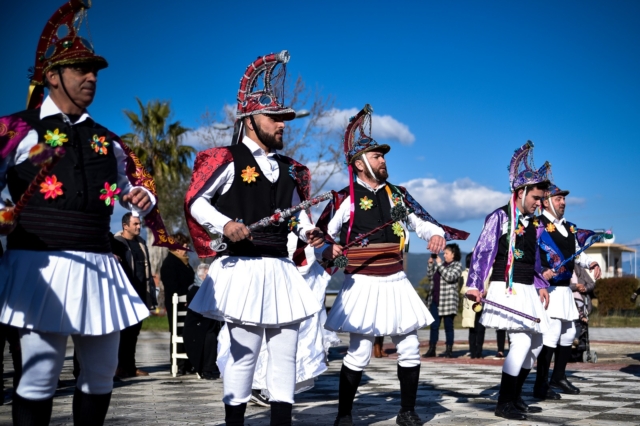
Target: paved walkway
(459,391)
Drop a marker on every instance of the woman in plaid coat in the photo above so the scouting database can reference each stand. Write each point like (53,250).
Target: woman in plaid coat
(443,298)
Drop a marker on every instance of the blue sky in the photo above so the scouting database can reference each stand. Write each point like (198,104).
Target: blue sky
(471,80)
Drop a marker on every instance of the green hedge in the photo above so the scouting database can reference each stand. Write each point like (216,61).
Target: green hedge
(614,293)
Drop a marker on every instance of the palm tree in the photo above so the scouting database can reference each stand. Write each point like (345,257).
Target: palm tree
(159,146)
(157,143)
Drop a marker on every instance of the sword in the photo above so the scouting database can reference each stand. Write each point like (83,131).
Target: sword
(477,307)
(595,239)
(218,243)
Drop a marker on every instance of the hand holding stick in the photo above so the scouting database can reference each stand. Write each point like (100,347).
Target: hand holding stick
(477,307)
(398,213)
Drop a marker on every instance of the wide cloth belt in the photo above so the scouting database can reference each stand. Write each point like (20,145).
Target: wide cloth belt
(522,272)
(43,229)
(375,259)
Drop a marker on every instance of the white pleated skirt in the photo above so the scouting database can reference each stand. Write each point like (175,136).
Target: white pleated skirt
(313,341)
(526,300)
(378,306)
(561,304)
(67,292)
(262,291)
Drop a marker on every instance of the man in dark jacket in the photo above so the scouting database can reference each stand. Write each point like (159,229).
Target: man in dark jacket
(177,276)
(136,257)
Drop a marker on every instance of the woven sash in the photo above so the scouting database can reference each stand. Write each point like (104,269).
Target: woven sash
(375,259)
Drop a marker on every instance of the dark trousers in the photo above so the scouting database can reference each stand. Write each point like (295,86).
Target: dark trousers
(476,337)
(127,349)
(210,354)
(435,326)
(11,335)
(501,336)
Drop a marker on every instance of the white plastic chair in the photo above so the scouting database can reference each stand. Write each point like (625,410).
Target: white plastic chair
(175,339)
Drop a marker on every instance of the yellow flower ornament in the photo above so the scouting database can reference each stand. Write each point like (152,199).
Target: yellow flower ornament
(55,138)
(397,229)
(366,203)
(249,175)
(551,227)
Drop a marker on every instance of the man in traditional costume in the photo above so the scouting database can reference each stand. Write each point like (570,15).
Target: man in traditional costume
(314,340)
(376,298)
(252,284)
(559,241)
(508,244)
(58,276)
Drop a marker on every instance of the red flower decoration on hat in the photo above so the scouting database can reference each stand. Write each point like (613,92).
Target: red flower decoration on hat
(51,188)
(110,193)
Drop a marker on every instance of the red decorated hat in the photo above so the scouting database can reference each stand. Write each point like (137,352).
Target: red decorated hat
(60,44)
(262,87)
(357,136)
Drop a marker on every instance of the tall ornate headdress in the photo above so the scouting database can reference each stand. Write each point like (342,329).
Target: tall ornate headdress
(522,173)
(262,90)
(60,44)
(357,136)
(357,141)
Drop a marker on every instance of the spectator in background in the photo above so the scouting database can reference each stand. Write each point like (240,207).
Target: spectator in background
(177,276)
(201,334)
(470,318)
(443,298)
(135,255)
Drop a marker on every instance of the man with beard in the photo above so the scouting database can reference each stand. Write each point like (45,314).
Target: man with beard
(376,298)
(59,277)
(508,243)
(559,241)
(252,285)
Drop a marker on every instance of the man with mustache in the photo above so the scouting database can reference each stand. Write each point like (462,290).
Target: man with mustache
(559,241)
(376,298)
(59,276)
(252,285)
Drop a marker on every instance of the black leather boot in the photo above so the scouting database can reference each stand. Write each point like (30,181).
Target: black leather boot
(559,378)
(90,410)
(28,412)
(506,407)
(234,414)
(280,413)
(349,382)
(448,353)
(518,401)
(409,378)
(541,388)
(431,352)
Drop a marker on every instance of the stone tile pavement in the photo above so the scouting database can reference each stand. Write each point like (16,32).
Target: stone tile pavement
(452,392)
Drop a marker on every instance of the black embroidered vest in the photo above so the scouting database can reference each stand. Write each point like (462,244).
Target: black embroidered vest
(523,266)
(77,219)
(377,211)
(567,246)
(252,201)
